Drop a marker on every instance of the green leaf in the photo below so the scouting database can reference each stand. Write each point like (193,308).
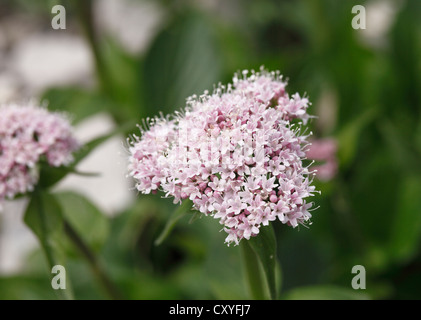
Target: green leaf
(181,61)
(94,143)
(44,217)
(26,287)
(196,215)
(401,149)
(85,218)
(221,267)
(79,103)
(50,176)
(406,234)
(264,246)
(327,292)
(121,67)
(184,209)
(349,135)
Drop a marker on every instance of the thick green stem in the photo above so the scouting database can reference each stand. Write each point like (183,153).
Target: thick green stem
(260,259)
(109,287)
(254,277)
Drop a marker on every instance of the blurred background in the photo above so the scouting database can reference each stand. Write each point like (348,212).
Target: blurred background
(118,62)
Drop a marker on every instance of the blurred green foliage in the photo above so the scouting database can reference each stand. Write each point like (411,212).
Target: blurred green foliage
(370,213)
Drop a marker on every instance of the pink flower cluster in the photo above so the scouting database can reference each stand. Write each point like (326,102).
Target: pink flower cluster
(236,154)
(28,133)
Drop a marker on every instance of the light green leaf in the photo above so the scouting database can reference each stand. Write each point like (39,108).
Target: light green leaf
(85,218)
(44,217)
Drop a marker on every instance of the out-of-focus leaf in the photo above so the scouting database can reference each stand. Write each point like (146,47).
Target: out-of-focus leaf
(121,67)
(406,51)
(406,234)
(26,287)
(84,217)
(44,217)
(211,268)
(49,176)
(146,286)
(78,103)
(87,148)
(372,201)
(297,247)
(181,61)
(418,137)
(325,293)
(184,209)
(349,135)
(400,149)
(264,245)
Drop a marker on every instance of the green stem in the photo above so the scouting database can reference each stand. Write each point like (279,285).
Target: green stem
(109,287)
(264,248)
(254,277)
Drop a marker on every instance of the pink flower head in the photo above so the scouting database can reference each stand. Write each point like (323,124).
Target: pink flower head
(236,153)
(28,133)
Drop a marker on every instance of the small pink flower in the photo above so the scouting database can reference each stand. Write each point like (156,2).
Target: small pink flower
(27,134)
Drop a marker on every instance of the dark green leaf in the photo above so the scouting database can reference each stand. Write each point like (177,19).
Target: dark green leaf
(400,148)
(349,135)
(406,234)
(184,209)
